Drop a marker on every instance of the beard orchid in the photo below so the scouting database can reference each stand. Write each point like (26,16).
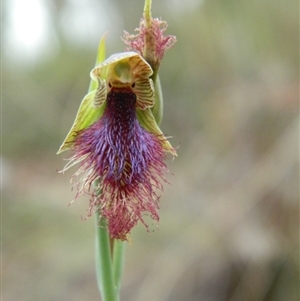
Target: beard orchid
(120,150)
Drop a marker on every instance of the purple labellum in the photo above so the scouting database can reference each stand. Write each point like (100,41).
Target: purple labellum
(127,161)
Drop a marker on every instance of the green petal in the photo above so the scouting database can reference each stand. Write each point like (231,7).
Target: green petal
(86,116)
(100,95)
(148,122)
(144,91)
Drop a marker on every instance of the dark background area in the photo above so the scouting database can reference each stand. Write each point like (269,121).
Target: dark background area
(229,228)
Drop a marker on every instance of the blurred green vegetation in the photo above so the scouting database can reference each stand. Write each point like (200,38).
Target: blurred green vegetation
(229,219)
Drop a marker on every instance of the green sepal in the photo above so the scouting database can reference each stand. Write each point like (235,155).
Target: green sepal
(147,121)
(101,54)
(85,117)
(92,106)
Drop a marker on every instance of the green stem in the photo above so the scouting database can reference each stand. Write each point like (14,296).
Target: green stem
(118,262)
(157,109)
(104,271)
(147,12)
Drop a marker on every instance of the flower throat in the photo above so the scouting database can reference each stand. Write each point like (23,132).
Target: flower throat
(120,112)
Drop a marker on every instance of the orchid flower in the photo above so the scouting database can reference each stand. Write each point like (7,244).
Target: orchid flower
(118,145)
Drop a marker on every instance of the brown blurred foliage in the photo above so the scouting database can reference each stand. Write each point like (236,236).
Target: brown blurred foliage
(229,227)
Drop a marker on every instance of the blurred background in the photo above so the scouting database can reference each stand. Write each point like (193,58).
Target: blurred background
(229,228)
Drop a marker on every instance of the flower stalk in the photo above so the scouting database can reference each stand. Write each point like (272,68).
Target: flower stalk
(104,261)
(118,262)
